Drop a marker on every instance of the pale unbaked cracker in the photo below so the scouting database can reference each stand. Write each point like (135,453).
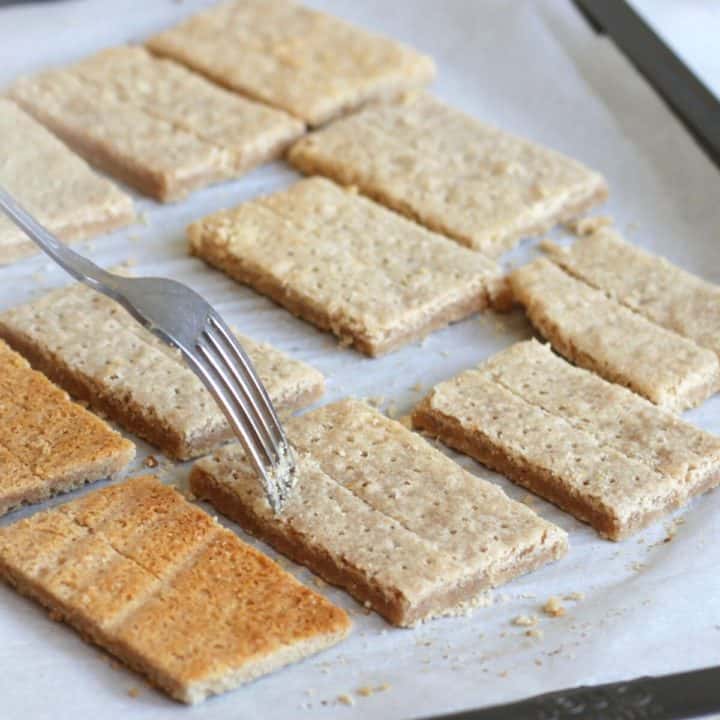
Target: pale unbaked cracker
(648,284)
(54,184)
(381,513)
(346,264)
(93,348)
(154,580)
(153,123)
(598,333)
(49,444)
(310,64)
(605,455)
(478,185)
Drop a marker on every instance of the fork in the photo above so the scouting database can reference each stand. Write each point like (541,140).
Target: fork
(184,320)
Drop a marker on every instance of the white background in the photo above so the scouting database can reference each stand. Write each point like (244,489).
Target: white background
(650,607)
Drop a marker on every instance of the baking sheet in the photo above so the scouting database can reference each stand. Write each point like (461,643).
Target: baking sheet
(649,607)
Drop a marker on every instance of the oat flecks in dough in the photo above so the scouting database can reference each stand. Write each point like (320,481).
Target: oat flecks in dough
(476,184)
(646,283)
(346,264)
(596,449)
(91,346)
(49,444)
(603,335)
(153,123)
(54,184)
(378,511)
(308,63)
(159,584)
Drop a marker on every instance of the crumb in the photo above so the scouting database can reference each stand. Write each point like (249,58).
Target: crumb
(151,461)
(503,674)
(383,687)
(538,662)
(588,225)
(444,353)
(364,691)
(417,387)
(133,692)
(574,596)
(319,582)
(553,607)
(525,620)
(528,499)
(534,633)
(375,401)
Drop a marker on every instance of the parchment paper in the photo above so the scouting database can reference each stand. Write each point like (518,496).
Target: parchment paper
(649,607)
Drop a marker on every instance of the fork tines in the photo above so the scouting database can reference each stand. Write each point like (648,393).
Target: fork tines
(235,384)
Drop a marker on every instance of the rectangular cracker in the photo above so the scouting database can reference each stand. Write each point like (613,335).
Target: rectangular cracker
(155,581)
(346,264)
(595,449)
(381,513)
(54,184)
(482,187)
(598,333)
(305,62)
(648,284)
(154,124)
(49,444)
(91,346)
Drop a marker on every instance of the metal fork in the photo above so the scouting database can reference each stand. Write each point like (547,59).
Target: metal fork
(184,320)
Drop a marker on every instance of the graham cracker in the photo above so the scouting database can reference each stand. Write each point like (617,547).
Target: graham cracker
(598,333)
(54,184)
(155,581)
(154,124)
(346,264)
(476,184)
(381,513)
(597,450)
(49,444)
(91,346)
(648,284)
(305,62)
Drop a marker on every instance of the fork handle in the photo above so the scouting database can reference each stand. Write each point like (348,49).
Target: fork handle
(79,267)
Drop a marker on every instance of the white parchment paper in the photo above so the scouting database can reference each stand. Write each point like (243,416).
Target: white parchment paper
(649,607)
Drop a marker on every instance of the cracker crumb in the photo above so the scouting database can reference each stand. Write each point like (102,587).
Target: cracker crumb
(346,699)
(574,596)
(536,633)
(151,461)
(133,692)
(525,620)
(553,607)
(375,400)
(365,691)
(588,225)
